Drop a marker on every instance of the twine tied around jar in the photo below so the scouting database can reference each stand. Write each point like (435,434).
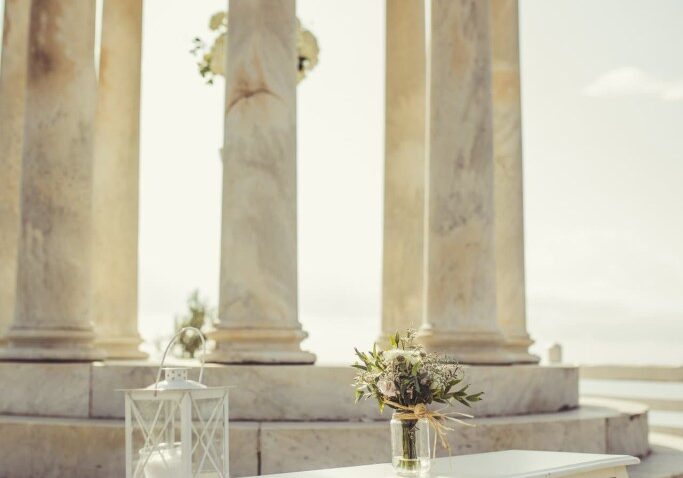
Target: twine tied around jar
(435,418)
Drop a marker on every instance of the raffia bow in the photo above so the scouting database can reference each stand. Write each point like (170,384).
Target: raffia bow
(435,418)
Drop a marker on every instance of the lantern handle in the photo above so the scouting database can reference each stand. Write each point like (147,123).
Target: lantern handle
(168,347)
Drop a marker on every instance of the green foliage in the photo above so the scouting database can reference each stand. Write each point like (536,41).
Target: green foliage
(204,62)
(407,375)
(198,315)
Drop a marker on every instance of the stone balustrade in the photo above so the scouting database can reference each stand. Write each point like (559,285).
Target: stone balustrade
(453,229)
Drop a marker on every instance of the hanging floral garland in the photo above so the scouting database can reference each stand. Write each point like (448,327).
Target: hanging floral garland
(212,58)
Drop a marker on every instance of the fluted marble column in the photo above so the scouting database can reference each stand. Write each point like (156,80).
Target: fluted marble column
(508,180)
(460,317)
(116,180)
(12,87)
(258,312)
(404,167)
(53,279)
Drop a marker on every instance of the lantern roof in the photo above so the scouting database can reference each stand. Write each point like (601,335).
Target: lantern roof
(175,378)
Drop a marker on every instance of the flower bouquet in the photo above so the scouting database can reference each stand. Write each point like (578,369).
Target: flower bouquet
(212,58)
(409,380)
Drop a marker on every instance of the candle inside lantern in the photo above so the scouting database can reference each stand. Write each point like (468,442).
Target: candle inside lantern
(163,462)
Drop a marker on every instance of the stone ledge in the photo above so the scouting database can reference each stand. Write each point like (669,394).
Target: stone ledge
(274,447)
(33,447)
(47,389)
(306,446)
(269,392)
(665,461)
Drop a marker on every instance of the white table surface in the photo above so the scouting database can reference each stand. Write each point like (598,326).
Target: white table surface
(499,464)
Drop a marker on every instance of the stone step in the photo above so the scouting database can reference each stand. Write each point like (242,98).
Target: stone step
(267,392)
(651,373)
(627,432)
(663,404)
(665,461)
(93,448)
(667,422)
(675,431)
(590,429)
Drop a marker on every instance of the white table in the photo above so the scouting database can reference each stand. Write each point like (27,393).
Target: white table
(499,464)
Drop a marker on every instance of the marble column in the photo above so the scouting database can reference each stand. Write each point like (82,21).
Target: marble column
(508,180)
(12,84)
(53,267)
(460,275)
(258,311)
(116,180)
(404,167)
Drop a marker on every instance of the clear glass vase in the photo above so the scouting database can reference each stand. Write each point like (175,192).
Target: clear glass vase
(410,452)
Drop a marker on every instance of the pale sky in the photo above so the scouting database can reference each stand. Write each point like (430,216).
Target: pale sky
(602,112)
(602,105)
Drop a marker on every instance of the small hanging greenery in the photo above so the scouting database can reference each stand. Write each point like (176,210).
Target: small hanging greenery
(200,316)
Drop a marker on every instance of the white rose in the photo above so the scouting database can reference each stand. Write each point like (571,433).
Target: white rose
(387,387)
(306,43)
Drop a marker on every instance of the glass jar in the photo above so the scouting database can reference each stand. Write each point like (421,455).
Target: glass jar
(410,452)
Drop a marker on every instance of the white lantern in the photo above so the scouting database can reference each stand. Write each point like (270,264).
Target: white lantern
(177,428)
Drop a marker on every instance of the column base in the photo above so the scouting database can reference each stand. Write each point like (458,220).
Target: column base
(518,349)
(121,347)
(60,345)
(476,348)
(259,346)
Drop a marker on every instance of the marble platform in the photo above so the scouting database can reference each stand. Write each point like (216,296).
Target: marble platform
(267,392)
(93,448)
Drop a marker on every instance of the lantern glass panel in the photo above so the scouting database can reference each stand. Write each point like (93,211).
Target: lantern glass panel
(209,440)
